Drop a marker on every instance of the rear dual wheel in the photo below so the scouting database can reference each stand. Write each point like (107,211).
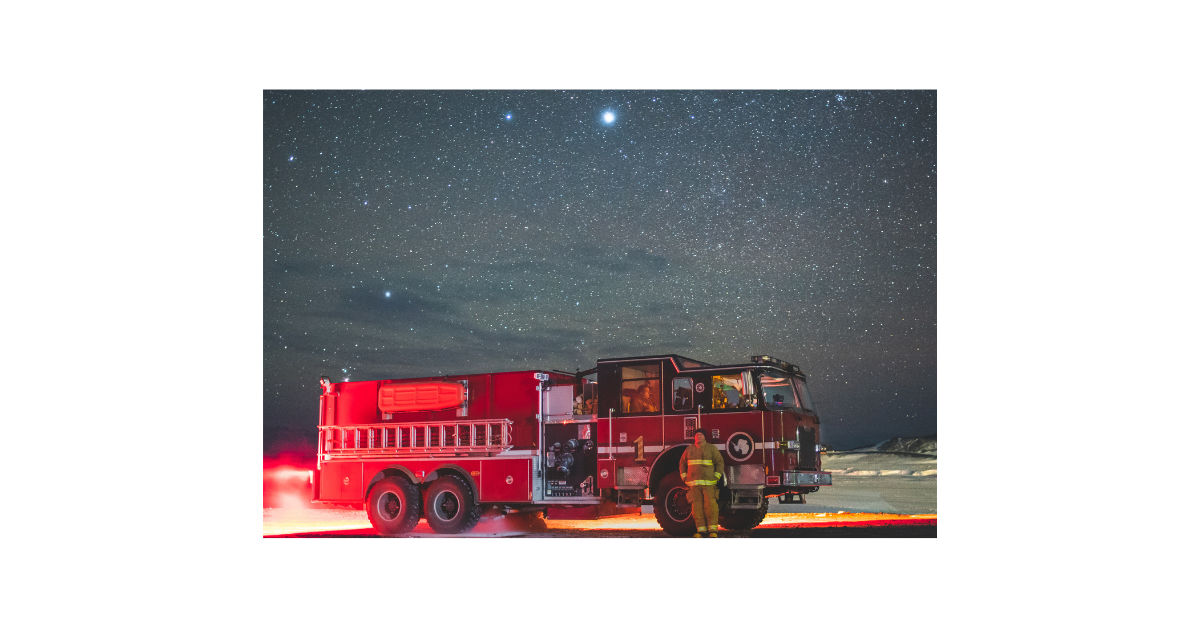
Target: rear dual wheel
(449,506)
(393,506)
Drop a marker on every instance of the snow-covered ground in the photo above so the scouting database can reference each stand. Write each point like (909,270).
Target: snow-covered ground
(874,482)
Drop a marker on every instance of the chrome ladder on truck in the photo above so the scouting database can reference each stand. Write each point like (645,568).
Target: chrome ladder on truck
(445,438)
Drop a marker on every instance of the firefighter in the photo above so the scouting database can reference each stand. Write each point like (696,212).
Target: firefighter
(730,395)
(643,402)
(701,468)
(718,397)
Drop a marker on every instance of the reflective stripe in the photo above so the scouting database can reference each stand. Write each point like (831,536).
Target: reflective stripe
(701,529)
(704,462)
(701,483)
(628,450)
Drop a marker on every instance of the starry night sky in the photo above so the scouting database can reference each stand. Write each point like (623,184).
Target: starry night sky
(412,233)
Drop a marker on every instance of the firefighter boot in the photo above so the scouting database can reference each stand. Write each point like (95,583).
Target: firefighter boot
(712,535)
(696,535)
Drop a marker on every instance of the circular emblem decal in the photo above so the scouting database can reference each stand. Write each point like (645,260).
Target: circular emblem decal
(740,446)
(346,481)
(699,386)
(603,473)
(508,480)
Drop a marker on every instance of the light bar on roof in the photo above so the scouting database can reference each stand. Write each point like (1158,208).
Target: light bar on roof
(766,359)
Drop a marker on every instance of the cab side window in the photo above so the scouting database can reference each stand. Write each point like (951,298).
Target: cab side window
(682,393)
(733,391)
(641,389)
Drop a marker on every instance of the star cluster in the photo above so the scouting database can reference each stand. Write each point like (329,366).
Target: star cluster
(411,233)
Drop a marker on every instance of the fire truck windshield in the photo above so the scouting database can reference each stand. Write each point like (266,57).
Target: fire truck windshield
(805,399)
(779,393)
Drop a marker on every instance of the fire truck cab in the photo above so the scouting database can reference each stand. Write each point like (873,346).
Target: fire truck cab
(567,444)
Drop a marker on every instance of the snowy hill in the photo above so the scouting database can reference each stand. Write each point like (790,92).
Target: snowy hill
(919,445)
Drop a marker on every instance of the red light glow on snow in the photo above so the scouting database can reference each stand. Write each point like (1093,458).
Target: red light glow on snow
(283,521)
(286,484)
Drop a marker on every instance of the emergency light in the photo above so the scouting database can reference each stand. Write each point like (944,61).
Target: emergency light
(766,359)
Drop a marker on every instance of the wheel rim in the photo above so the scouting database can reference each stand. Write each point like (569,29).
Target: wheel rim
(678,508)
(389,506)
(446,506)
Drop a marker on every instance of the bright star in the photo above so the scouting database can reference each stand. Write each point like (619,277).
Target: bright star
(609,117)
(387,294)
(292,158)
(508,116)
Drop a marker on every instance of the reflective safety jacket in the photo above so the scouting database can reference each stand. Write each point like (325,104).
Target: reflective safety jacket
(701,466)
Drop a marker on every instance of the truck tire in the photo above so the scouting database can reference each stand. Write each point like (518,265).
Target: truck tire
(672,508)
(449,506)
(392,506)
(742,519)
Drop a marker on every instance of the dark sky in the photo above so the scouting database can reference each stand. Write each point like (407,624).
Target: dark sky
(411,233)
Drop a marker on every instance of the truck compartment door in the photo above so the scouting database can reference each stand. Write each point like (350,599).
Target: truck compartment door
(506,480)
(341,481)
(557,403)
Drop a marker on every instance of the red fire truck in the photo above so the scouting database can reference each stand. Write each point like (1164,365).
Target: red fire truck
(571,445)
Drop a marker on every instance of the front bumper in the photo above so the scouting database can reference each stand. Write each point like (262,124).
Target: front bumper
(754,476)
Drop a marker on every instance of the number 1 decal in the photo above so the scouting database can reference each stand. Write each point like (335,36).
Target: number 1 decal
(641,451)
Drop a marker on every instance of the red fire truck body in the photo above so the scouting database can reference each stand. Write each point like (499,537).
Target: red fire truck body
(445,447)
